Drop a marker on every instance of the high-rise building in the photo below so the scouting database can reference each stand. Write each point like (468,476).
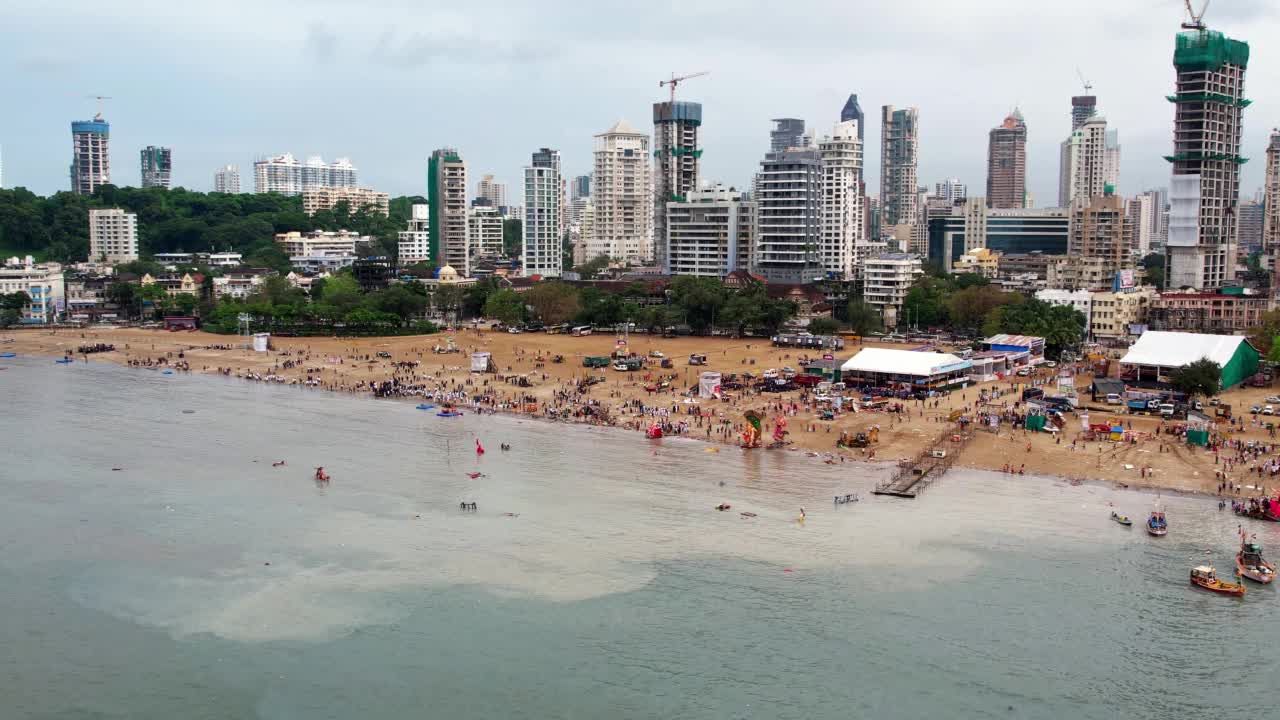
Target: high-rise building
(899,153)
(157,166)
(113,236)
(484,232)
(1083,173)
(1143,221)
(90,155)
(415,240)
(786,133)
(1083,107)
(581,187)
(842,220)
(1250,222)
(277,174)
(285,175)
(1204,191)
(788,216)
(889,277)
(852,111)
(1007,163)
(711,231)
(447,197)
(950,190)
(544,221)
(1111,159)
(622,196)
(1101,231)
(226,179)
(676,157)
(1271,196)
(494,192)
(1022,231)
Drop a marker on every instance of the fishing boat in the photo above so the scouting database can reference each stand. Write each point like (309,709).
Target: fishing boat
(1207,578)
(1156,524)
(1257,508)
(1249,562)
(1122,519)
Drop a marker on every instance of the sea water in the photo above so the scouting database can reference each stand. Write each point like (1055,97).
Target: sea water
(595,579)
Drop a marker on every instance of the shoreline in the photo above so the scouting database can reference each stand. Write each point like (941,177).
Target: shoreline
(630,401)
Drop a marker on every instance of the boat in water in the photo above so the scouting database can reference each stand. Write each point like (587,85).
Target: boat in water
(1156,524)
(1122,519)
(1262,508)
(1207,578)
(1251,565)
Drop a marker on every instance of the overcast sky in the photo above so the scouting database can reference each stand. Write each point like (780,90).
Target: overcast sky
(386,81)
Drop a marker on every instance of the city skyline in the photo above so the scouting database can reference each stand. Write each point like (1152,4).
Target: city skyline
(212,119)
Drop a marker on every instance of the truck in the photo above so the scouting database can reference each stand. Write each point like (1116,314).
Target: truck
(595,361)
(1137,406)
(629,364)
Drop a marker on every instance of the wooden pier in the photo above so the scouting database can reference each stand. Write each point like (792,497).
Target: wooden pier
(914,475)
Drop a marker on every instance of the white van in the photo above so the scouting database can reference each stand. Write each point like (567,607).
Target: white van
(582,330)
(1114,399)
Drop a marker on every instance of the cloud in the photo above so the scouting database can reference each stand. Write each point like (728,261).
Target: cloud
(320,43)
(415,50)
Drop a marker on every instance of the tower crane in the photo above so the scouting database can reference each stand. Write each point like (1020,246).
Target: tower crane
(1087,85)
(99,98)
(1196,21)
(677,79)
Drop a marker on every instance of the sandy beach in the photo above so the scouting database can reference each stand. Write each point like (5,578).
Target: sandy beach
(352,364)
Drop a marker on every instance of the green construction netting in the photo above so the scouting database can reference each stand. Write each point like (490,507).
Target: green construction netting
(1208,97)
(1209,50)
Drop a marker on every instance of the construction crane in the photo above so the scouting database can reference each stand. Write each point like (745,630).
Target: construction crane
(1087,85)
(676,80)
(1197,18)
(99,98)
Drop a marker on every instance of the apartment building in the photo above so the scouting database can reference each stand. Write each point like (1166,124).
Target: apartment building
(711,232)
(113,236)
(887,278)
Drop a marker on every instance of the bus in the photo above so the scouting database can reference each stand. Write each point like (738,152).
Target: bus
(582,330)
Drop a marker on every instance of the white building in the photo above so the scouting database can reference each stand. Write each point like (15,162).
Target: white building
(711,233)
(789,216)
(950,190)
(1085,168)
(285,175)
(1271,197)
(447,195)
(543,215)
(1142,218)
(415,242)
(484,232)
(622,196)
(113,236)
(843,247)
(887,278)
(317,242)
(227,179)
(43,283)
(492,192)
(315,200)
(1081,300)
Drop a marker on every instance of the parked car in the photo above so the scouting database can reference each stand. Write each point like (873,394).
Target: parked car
(1255,409)
(1167,409)
(1269,410)
(1113,399)
(1274,399)
(1023,372)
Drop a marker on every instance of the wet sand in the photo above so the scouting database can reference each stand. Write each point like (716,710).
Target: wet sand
(343,364)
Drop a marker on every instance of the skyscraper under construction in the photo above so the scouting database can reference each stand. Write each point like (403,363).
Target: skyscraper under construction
(1204,192)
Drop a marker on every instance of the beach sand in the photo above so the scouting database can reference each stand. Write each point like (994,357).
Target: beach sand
(341,363)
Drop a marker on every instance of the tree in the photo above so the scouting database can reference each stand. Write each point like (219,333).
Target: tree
(969,308)
(512,237)
(124,296)
(1061,326)
(1263,336)
(342,292)
(448,298)
(186,303)
(864,319)
(1154,265)
(925,303)
(1202,377)
(400,301)
(699,299)
(554,302)
(589,269)
(823,326)
(505,306)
